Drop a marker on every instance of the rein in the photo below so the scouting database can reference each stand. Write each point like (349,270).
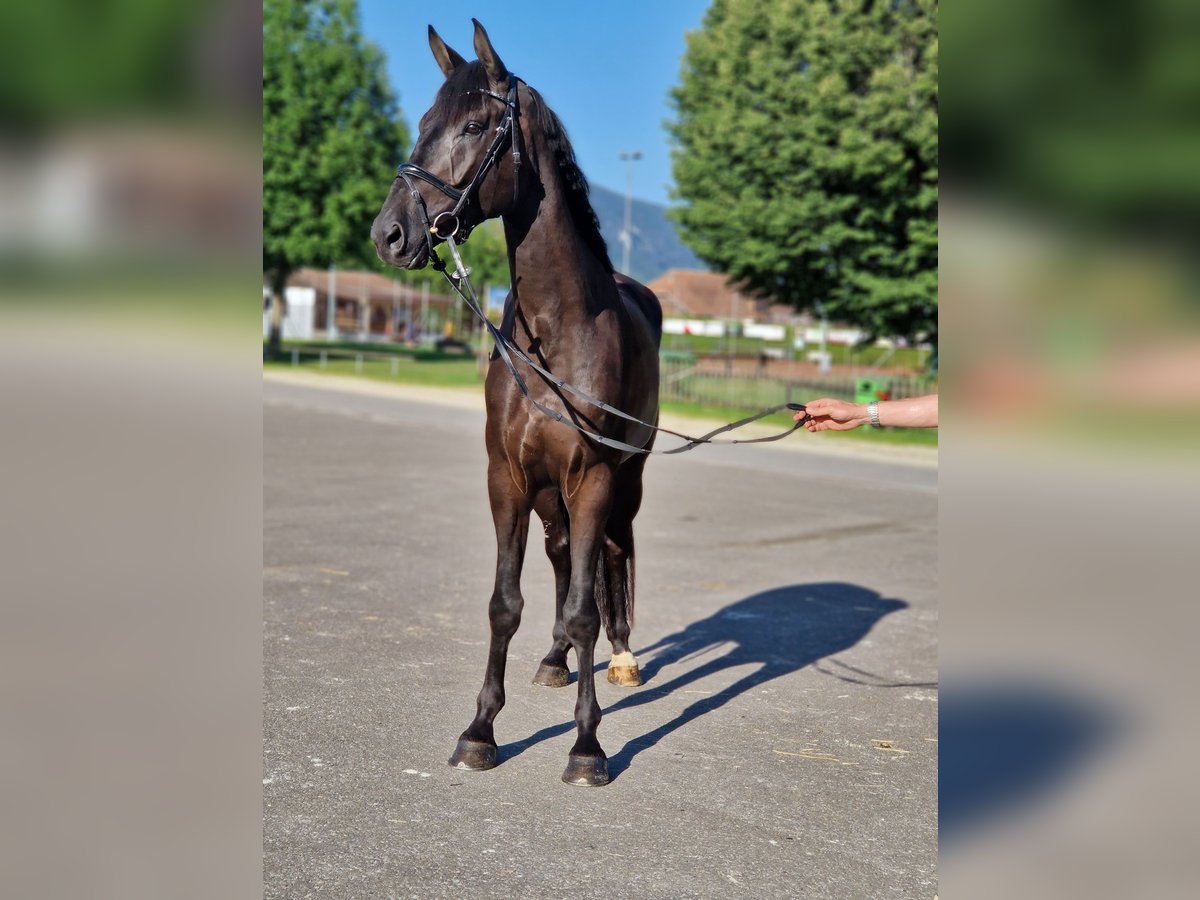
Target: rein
(510,129)
(507,350)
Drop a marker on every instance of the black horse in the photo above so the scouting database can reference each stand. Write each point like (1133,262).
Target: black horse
(489,146)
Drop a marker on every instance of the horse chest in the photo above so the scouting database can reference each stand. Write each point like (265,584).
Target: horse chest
(543,453)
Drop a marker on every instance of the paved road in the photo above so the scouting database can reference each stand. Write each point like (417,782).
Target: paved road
(783,746)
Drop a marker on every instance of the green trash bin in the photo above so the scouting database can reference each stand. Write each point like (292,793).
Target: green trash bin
(868,389)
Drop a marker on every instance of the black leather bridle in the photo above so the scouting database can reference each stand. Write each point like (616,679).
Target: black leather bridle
(452,223)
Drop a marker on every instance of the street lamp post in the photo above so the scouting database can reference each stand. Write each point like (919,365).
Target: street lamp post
(628,157)
(331,305)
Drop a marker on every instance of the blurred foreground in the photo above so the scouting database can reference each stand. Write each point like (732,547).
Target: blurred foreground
(130,654)
(1070,495)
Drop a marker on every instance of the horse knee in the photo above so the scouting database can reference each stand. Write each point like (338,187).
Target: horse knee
(504,612)
(581,622)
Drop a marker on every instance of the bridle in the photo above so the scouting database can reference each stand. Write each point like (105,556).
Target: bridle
(452,223)
(440,228)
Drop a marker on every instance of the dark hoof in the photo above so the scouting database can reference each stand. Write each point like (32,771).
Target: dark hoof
(590,771)
(552,676)
(474,755)
(625,676)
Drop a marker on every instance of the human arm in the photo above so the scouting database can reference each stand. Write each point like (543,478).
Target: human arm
(828,414)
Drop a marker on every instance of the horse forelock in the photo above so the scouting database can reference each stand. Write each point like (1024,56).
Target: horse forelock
(459,98)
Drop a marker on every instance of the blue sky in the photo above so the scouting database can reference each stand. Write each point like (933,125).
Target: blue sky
(604,67)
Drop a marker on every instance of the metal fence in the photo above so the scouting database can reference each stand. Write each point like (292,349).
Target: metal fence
(730,384)
(746,388)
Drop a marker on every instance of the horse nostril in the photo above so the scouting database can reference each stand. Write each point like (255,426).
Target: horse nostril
(395,235)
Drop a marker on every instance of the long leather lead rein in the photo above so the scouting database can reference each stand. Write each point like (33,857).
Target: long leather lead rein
(510,129)
(507,350)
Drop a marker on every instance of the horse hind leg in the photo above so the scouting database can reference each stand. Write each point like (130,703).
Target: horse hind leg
(615,575)
(614,591)
(553,670)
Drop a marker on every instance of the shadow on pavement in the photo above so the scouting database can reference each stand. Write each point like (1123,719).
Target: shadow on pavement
(1006,746)
(781,631)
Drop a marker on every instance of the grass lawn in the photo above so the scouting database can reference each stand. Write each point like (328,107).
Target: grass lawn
(432,371)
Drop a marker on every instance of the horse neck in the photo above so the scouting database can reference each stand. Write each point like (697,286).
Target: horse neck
(558,282)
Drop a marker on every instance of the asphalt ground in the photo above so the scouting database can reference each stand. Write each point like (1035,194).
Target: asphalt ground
(785,741)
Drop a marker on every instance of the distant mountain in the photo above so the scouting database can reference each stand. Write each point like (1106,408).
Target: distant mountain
(656,247)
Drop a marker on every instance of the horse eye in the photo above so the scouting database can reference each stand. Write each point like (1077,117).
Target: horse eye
(473,128)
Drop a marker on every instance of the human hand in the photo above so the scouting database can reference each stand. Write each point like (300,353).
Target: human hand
(827,414)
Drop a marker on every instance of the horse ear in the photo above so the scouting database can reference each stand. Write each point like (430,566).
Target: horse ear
(487,54)
(447,59)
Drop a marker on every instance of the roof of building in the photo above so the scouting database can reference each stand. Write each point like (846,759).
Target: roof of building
(350,284)
(695,293)
(690,292)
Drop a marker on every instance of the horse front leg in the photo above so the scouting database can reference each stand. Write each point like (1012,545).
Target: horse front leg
(588,508)
(510,512)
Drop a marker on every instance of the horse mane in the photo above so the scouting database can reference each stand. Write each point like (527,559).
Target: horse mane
(576,185)
(461,96)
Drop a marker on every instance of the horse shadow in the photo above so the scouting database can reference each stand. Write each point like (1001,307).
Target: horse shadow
(780,631)
(1009,743)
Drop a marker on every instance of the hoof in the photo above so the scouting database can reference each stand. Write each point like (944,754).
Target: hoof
(552,676)
(473,755)
(589,771)
(625,676)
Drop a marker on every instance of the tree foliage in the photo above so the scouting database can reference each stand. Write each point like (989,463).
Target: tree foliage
(487,254)
(806,155)
(61,61)
(332,136)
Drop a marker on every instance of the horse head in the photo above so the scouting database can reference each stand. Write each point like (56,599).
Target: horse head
(460,172)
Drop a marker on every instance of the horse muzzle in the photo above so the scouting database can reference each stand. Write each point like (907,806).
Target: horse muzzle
(388,236)
(393,247)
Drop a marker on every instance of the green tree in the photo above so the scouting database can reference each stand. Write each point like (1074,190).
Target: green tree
(806,155)
(487,255)
(62,60)
(332,136)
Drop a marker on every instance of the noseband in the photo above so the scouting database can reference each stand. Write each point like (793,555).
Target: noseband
(452,223)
